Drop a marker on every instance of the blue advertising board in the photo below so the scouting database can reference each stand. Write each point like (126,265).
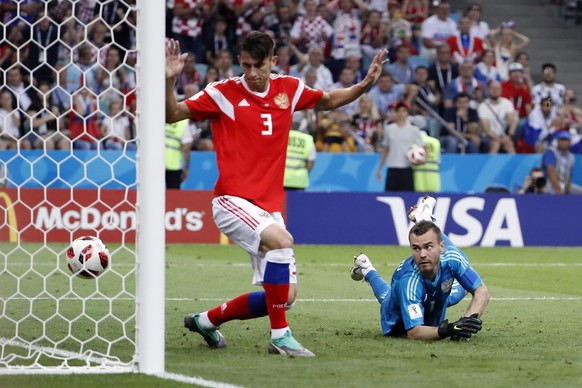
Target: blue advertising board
(469,220)
(333,172)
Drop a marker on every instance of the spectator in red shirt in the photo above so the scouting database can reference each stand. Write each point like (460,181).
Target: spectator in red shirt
(516,90)
(465,46)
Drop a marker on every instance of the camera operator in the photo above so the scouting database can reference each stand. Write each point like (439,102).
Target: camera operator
(535,182)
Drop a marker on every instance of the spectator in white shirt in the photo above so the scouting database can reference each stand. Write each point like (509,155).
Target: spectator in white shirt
(498,120)
(436,29)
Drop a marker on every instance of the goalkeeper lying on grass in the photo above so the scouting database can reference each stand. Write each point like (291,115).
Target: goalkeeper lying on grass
(424,285)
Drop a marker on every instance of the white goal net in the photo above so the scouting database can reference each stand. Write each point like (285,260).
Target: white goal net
(68,139)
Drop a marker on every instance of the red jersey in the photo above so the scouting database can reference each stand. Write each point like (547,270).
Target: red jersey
(519,95)
(250,132)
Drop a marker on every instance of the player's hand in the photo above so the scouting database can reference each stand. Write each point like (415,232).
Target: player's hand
(463,328)
(376,66)
(174,61)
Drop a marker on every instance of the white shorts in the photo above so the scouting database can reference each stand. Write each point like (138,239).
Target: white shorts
(242,222)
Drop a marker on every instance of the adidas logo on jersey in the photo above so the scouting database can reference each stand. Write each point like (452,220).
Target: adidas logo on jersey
(243,102)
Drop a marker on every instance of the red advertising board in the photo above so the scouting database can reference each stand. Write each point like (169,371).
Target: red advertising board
(60,215)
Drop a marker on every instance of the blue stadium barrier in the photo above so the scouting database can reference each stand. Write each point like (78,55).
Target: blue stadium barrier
(332,172)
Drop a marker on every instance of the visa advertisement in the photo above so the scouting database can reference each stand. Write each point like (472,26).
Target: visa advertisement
(469,220)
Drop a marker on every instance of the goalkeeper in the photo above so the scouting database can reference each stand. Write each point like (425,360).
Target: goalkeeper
(436,276)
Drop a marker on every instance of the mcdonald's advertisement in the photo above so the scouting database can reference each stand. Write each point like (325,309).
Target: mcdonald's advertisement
(60,215)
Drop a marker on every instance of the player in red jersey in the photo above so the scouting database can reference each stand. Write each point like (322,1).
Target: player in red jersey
(251,119)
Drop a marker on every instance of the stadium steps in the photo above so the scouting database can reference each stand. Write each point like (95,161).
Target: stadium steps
(553,39)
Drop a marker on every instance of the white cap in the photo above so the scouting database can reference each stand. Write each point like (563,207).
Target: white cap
(515,66)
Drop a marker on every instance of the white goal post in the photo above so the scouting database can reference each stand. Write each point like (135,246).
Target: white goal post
(52,322)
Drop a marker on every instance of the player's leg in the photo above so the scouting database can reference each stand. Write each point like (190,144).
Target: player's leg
(363,269)
(241,222)
(280,282)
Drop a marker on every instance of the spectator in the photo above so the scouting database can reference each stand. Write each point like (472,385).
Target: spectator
(283,25)
(374,36)
(465,120)
(548,87)
(465,82)
(464,45)
(523,58)
(347,79)
(23,94)
(211,76)
(386,92)
(558,164)
(190,75)
(442,72)
(479,28)
(253,15)
(40,123)
(98,33)
(537,127)
(310,30)
(224,65)
(216,42)
(116,129)
(399,29)
(570,119)
(429,96)
(284,65)
(485,70)
(10,124)
(354,63)
(498,120)
(415,11)
(43,49)
(83,72)
(189,17)
(367,125)
(301,156)
(398,138)
(516,90)
(401,70)
(334,133)
(324,76)
(111,79)
(347,27)
(436,29)
(506,42)
(83,120)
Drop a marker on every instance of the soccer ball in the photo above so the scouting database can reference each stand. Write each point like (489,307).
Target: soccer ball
(87,257)
(416,155)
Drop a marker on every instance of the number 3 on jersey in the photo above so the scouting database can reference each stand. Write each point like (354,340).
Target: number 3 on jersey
(268,123)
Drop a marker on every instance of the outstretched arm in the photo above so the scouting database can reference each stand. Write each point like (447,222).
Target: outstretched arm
(341,97)
(479,302)
(175,111)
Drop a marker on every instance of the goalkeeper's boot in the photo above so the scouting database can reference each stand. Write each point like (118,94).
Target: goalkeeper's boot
(289,346)
(423,211)
(213,337)
(361,262)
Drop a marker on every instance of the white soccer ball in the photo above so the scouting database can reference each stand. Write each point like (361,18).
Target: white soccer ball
(88,257)
(416,155)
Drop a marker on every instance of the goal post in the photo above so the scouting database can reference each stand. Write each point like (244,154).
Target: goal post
(51,321)
(151,188)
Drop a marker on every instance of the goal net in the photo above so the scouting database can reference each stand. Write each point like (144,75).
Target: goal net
(68,167)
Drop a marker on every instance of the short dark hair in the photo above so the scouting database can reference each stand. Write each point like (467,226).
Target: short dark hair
(462,95)
(258,44)
(550,65)
(422,227)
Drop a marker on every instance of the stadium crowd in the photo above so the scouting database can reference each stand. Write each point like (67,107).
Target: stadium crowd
(69,69)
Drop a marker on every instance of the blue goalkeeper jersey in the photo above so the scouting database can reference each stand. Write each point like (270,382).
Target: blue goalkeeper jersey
(415,300)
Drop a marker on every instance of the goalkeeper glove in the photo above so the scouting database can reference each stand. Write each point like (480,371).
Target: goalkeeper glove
(463,328)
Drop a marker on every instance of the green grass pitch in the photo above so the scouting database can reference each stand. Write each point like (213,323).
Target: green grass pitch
(531,333)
